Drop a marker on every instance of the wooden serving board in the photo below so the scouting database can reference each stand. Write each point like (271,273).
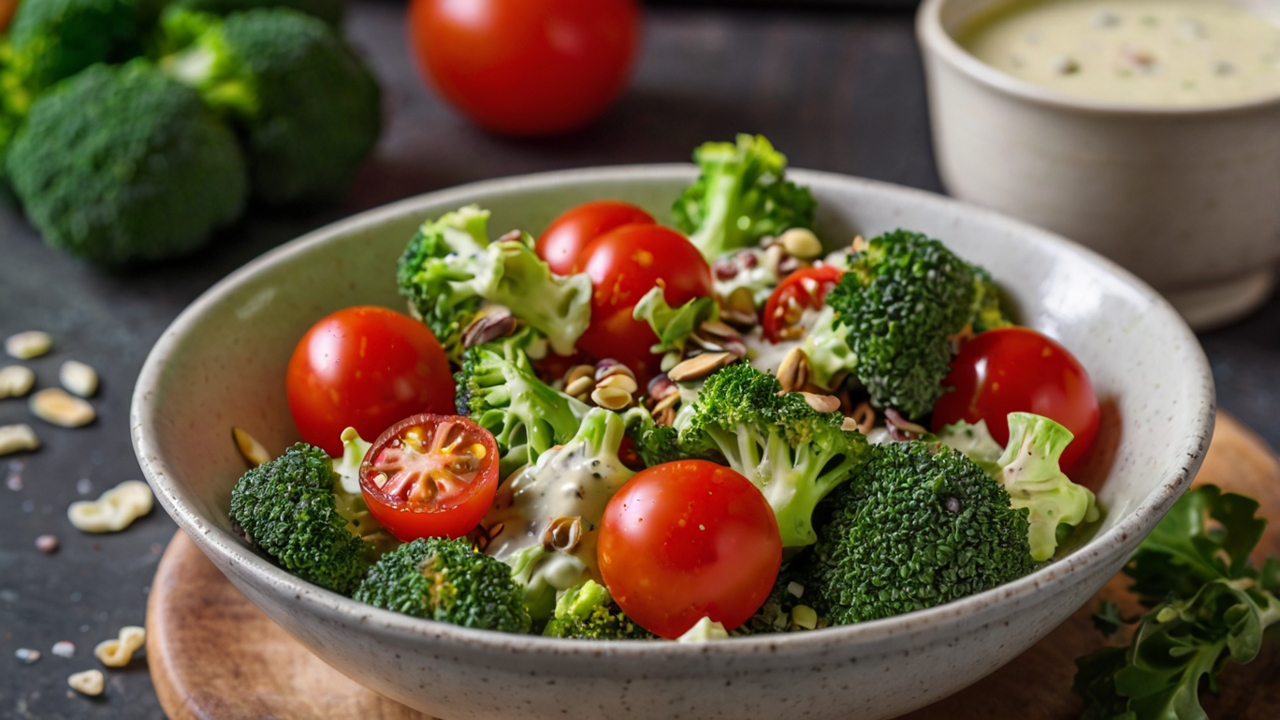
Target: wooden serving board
(215,656)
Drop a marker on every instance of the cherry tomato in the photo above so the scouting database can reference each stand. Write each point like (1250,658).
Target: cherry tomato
(802,290)
(526,67)
(689,539)
(365,367)
(430,476)
(563,240)
(1020,370)
(624,264)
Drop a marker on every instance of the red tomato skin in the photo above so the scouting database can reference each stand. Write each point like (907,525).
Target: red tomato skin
(624,264)
(365,367)
(456,517)
(1020,370)
(825,276)
(526,67)
(566,236)
(686,540)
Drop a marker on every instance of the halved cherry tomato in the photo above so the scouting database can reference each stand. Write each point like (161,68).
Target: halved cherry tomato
(1020,370)
(802,290)
(566,236)
(365,367)
(624,264)
(686,540)
(430,476)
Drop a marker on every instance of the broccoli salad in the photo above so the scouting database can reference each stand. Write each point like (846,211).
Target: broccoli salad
(622,430)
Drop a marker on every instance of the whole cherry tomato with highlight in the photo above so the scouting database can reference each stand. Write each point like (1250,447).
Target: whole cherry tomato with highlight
(1017,369)
(686,540)
(804,289)
(365,367)
(624,264)
(430,476)
(526,67)
(566,236)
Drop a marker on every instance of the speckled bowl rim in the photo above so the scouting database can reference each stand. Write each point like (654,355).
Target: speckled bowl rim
(933,37)
(339,609)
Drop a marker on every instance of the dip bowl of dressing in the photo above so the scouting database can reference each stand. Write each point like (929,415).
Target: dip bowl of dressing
(1148,130)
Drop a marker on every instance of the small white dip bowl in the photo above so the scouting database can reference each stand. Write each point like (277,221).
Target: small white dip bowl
(1188,198)
(222,364)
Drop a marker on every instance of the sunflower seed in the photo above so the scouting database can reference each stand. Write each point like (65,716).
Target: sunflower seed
(620,381)
(16,381)
(57,406)
(27,345)
(89,682)
(250,449)
(793,371)
(79,378)
(700,366)
(611,398)
(16,438)
(801,243)
(563,534)
(821,403)
(581,384)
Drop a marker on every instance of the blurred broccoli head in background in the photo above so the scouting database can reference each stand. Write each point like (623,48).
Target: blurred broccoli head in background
(308,108)
(122,164)
(55,39)
(331,11)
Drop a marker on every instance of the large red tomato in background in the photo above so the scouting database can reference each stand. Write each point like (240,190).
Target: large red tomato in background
(686,540)
(526,67)
(623,265)
(1020,370)
(365,367)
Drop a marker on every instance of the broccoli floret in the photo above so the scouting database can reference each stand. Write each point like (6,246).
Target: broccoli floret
(588,612)
(740,197)
(499,390)
(1030,473)
(656,444)
(920,526)
(987,313)
(793,453)
(122,164)
(55,39)
(562,497)
(448,581)
(288,507)
(331,11)
(779,612)
(309,109)
(901,301)
(450,268)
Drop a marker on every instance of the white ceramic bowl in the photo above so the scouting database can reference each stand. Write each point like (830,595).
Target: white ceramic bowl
(222,363)
(1188,198)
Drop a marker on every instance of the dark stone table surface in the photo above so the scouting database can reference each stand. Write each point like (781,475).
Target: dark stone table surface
(837,90)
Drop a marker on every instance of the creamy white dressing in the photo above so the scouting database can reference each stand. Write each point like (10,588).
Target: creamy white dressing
(1153,52)
(766,356)
(565,483)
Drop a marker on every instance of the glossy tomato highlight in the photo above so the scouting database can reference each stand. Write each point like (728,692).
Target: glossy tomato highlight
(566,236)
(365,367)
(686,540)
(526,67)
(623,265)
(430,476)
(1017,369)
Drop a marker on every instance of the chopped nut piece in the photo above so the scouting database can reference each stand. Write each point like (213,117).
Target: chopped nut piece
(821,403)
(16,438)
(864,416)
(801,243)
(611,398)
(78,378)
(59,407)
(562,534)
(700,366)
(27,345)
(717,329)
(666,418)
(491,323)
(27,655)
(16,381)
(795,589)
(89,682)
(793,371)
(64,649)
(250,449)
(581,384)
(114,511)
(666,403)
(622,382)
(804,616)
(47,544)
(118,652)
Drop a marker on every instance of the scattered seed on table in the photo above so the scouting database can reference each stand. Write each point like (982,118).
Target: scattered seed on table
(27,655)
(89,682)
(16,381)
(78,378)
(57,406)
(64,649)
(17,438)
(47,544)
(27,345)
(114,511)
(119,652)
